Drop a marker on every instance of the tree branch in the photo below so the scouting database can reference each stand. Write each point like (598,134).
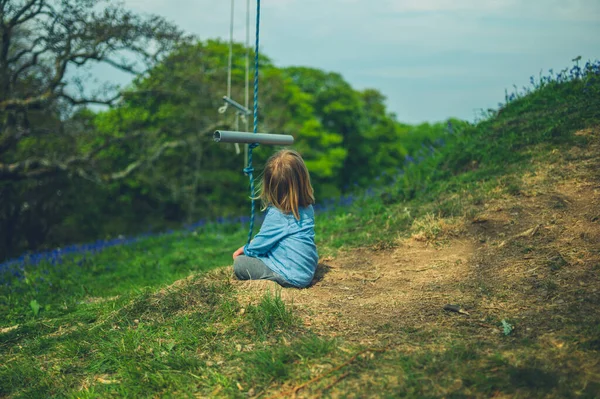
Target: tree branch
(21,53)
(31,63)
(27,103)
(122,66)
(85,101)
(17,20)
(132,167)
(82,165)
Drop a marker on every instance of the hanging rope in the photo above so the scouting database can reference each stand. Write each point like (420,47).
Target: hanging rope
(236,126)
(223,109)
(249,170)
(247,76)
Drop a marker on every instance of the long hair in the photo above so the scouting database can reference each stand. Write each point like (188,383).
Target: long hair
(286,183)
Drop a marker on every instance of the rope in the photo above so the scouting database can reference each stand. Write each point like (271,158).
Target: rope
(230,50)
(236,126)
(247,77)
(256,67)
(223,109)
(249,170)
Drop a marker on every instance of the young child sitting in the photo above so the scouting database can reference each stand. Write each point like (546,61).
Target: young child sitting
(284,249)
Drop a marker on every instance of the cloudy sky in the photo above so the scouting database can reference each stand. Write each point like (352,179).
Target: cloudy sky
(432,59)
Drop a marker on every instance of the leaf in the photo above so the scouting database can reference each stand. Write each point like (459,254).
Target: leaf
(35,307)
(507,327)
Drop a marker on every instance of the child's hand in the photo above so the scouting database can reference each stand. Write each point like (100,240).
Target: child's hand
(240,251)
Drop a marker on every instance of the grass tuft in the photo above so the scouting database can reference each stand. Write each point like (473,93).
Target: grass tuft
(271,314)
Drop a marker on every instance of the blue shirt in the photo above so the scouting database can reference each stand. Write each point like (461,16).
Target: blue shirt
(286,245)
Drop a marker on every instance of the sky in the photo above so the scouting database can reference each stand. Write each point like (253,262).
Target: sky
(432,59)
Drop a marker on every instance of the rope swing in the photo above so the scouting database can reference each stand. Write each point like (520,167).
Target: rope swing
(253,139)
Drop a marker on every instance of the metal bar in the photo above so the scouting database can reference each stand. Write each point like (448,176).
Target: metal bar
(237,105)
(223,136)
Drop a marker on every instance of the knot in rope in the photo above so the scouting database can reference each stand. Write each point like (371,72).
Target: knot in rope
(249,169)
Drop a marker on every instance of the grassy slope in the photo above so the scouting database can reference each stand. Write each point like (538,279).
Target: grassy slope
(108,325)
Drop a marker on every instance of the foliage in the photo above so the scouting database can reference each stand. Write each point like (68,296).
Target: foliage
(48,145)
(45,45)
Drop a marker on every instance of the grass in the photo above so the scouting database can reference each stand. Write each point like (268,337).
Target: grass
(123,322)
(60,288)
(171,341)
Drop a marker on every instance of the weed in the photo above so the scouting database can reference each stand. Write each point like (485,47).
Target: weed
(549,285)
(431,227)
(35,307)
(507,328)
(271,314)
(557,262)
(513,186)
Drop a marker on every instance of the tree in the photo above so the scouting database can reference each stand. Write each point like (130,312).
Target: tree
(175,100)
(368,134)
(45,49)
(203,178)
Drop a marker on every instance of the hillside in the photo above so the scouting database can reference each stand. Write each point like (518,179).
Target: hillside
(502,223)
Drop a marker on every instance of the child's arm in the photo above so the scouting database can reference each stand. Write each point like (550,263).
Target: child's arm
(273,230)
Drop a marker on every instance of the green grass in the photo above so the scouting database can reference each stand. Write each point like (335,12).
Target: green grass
(60,289)
(175,341)
(110,325)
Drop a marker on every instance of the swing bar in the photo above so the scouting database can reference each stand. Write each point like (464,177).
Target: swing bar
(224,136)
(237,106)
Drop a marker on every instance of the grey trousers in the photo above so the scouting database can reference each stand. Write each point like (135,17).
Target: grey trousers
(248,268)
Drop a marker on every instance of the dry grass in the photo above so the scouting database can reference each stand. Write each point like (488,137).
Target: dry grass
(430,228)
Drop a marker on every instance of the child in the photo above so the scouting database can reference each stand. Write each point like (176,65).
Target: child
(284,249)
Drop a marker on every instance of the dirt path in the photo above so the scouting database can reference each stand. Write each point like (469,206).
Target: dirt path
(532,257)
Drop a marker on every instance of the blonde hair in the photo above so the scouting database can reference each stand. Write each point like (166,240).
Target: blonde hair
(286,183)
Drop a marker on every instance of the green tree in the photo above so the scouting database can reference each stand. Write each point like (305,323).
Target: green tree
(367,133)
(46,47)
(180,97)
